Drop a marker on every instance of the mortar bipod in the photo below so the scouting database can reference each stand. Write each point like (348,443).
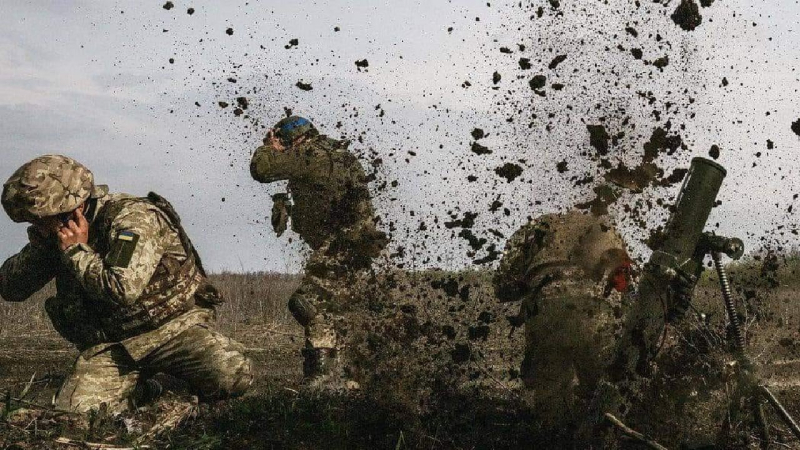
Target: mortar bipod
(734,248)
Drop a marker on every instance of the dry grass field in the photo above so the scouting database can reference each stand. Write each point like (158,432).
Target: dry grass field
(440,372)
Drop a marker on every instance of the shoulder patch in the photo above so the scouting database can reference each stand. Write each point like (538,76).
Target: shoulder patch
(122,249)
(127,236)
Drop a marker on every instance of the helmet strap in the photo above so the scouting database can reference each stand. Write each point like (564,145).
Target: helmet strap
(91,209)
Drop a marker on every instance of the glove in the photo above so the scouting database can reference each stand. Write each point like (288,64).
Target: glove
(208,296)
(281,210)
(680,289)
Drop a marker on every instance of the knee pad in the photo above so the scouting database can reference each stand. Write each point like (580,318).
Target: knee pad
(239,382)
(302,310)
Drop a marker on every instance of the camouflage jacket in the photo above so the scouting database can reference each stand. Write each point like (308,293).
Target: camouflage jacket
(328,187)
(132,278)
(557,245)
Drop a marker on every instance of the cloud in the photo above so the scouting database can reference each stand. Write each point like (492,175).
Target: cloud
(88,80)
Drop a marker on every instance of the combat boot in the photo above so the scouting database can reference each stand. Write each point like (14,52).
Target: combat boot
(318,362)
(594,430)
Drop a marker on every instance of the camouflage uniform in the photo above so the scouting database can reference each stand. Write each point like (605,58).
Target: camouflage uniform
(135,300)
(333,213)
(571,271)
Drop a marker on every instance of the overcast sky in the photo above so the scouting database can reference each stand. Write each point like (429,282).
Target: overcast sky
(94,80)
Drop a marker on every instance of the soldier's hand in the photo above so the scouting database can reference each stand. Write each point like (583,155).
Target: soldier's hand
(681,292)
(274,141)
(76,231)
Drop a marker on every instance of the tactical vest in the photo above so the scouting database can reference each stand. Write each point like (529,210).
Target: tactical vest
(174,288)
(573,242)
(570,255)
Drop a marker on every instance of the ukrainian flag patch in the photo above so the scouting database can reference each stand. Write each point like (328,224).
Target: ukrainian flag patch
(122,249)
(126,236)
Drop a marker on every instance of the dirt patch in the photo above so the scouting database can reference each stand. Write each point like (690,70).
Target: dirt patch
(509,171)
(598,138)
(556,61)
(687,15)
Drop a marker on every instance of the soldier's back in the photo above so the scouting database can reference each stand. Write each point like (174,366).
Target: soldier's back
(334,198)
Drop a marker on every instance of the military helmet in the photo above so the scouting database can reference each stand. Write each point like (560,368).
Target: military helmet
(46,186)
(293,127)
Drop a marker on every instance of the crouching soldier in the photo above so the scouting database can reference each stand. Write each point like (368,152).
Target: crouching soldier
(331,210)
(571,271)
(131,292)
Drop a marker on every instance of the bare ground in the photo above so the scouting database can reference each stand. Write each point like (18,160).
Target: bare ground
(442,374)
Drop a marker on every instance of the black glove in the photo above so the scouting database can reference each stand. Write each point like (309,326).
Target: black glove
(680,289)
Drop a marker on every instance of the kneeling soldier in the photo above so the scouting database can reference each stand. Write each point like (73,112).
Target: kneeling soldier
(131,292)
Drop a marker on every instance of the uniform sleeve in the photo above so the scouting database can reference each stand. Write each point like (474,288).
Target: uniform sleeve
(138,239)
(23,274)
(510,279)
(305,162)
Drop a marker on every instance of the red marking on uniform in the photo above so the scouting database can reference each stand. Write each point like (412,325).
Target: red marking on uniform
(620,277)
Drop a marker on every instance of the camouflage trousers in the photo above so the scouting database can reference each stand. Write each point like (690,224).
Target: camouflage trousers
(326,291)
(212,364)
(570,331)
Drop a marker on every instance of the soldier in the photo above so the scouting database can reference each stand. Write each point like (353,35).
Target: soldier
(332,212)
(571,272)
(132,294)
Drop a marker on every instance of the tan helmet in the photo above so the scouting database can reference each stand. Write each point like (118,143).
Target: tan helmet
(46,186)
